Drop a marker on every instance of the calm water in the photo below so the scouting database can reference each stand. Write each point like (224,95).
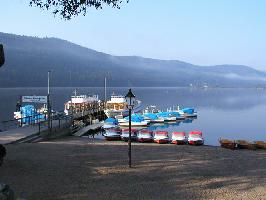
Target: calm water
(222,113)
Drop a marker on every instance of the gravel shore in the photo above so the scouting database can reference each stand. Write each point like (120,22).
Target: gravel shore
(81,168)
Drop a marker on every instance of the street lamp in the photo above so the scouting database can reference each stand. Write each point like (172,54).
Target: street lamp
(130,100)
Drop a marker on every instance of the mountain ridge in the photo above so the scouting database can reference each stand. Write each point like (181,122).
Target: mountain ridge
(29,58)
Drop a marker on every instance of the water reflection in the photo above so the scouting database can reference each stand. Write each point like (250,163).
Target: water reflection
(226,113)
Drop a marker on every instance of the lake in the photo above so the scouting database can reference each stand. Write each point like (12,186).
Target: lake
(222,113)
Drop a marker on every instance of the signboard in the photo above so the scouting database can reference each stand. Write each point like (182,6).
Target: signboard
(34,99)
(2,55)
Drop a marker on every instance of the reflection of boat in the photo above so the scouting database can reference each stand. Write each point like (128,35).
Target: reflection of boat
(260,144)
(112,134)
(195,138)
(179,138)
(145,136)
(243,144)
(188,120)
(161,137)
(125,134)
(228,144)
(154,127)
(110,123)
(118,106)
(78,103)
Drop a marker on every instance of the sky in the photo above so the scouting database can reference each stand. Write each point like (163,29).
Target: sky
(202,32)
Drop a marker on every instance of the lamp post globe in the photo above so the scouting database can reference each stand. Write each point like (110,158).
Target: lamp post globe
(130,100)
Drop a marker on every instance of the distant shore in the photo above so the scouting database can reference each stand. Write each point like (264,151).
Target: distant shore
(82,168)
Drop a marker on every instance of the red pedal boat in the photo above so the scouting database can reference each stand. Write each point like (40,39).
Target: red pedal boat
(145,136)
(161,137)
(179,138)
(195,138)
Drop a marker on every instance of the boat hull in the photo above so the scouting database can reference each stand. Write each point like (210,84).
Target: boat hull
(179,142)
(145,140)
(196,142)
(133,138)
(227,144)
(134,124)
(161,141)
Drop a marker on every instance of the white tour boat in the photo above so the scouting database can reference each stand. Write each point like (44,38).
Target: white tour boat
(118,106)
(79,103)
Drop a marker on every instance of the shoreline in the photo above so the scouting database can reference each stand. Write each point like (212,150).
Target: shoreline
(82,168)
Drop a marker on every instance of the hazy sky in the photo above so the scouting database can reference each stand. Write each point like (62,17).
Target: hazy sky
(204,32)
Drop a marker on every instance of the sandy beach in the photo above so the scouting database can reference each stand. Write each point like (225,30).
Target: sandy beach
(82,168)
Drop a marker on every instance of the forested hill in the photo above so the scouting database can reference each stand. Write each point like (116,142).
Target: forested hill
(29,58)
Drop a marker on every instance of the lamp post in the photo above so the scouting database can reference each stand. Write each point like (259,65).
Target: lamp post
(49,103)
(130,100)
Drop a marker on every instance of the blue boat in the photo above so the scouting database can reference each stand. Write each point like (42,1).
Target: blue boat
(28,114)
(153,118)
(136,120)
(110,123)
(167,116)
(189,112)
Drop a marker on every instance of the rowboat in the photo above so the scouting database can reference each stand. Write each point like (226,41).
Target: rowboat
(243,144)
(228,144)
(125,134)
(260,144)
(195,138)
(161,137)
(145,136)
(179,138)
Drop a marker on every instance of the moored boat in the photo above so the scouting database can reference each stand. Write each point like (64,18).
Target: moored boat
(28,114)
(161,137)
(195,138)
(117,105)
(145,136)
(79,103)
(136,120)
(110,123)
(179,138)
(153,118)
(125,134)
(166,116)
(112,134)
(189,112)
(243,144)
(260,144)
(177,115)
(228,144)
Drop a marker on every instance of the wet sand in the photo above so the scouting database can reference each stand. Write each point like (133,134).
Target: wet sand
(81,168)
